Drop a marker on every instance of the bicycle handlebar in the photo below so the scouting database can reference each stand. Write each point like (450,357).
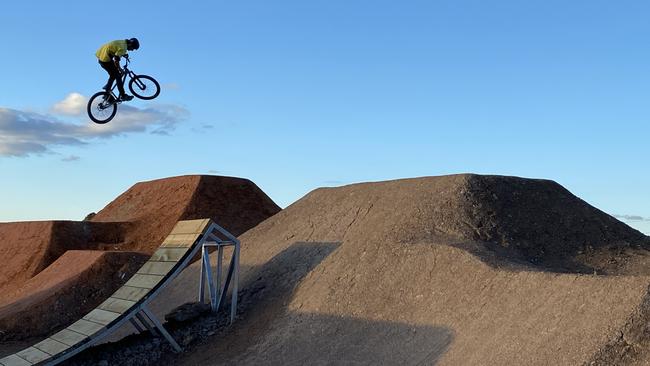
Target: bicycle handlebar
(126,57)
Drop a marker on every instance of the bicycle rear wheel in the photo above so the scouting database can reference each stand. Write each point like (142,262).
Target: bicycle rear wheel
(144,87)
(102,107)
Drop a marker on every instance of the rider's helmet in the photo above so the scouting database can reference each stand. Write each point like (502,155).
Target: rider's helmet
(134,43)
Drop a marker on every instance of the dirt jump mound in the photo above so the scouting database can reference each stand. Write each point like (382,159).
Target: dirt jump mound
(453,270)
(152,208)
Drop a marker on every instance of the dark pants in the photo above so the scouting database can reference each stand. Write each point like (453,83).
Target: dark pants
(113,74)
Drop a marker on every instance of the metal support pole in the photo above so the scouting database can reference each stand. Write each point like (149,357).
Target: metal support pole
(226,284)
(208,273)
(162,329)
(219,275)
(144,322)
(235,285)
(136,325)
(202,278)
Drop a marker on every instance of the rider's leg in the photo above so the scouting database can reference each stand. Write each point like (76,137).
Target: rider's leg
(112,71)
(115,75)
(109,84)
(120,87)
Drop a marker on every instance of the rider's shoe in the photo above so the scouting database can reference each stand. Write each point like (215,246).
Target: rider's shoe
(126,97)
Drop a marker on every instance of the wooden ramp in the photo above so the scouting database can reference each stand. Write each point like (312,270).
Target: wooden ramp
(129,302)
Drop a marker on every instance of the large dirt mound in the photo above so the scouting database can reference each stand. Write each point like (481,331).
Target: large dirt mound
(380,273)
(513,220)
(154,207)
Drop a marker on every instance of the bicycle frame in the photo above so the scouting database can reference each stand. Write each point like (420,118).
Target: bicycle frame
(125,72)
(102,106)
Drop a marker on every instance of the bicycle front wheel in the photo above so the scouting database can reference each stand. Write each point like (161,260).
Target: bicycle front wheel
(102,107)
(144,87)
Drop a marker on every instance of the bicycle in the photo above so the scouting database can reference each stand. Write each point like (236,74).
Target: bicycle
(102,106)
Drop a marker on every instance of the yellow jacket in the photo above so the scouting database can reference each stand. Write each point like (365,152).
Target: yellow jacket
(106,52)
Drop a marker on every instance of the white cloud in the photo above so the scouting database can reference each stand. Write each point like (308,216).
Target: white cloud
(630,217)
(73,105)
(24,133)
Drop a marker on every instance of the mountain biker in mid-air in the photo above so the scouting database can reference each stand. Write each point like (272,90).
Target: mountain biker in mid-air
(109,59)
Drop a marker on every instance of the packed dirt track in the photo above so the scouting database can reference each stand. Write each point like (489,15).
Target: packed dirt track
(451,270)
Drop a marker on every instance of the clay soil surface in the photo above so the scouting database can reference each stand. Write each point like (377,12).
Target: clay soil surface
(56,271)
(154,207)
(74,284)
(30,247)
(453,270)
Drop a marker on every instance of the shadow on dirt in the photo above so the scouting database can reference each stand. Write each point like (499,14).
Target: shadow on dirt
(266,332)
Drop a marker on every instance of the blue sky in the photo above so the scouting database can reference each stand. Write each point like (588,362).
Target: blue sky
(296,95)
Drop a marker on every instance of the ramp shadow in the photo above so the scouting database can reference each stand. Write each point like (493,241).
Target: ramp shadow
(317,339)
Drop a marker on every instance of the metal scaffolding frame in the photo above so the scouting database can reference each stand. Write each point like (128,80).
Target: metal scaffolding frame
(148,320)
(216,290)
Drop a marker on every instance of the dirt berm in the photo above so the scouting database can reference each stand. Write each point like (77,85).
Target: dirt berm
(452,270)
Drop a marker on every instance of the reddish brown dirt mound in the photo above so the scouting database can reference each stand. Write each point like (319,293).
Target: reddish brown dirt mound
(154,207)
(74,284)
(137,220)
(29,247)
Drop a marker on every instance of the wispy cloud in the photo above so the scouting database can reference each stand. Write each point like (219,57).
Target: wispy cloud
(24,133)
(631,218)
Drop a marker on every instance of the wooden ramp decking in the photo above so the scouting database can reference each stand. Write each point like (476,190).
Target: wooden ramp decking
(128,303)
